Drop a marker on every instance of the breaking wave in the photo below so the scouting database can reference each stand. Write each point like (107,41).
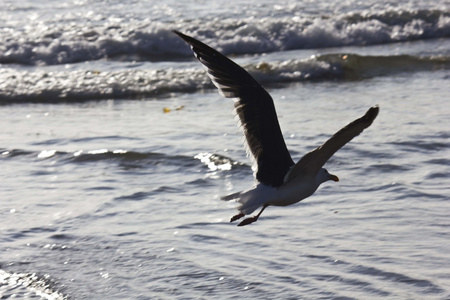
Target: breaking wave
(146,40)
(28,286)
(17,86)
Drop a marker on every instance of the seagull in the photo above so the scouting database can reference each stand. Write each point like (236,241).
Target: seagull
(279,181)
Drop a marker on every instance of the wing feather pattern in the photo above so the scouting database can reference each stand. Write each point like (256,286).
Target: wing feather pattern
(255,109)
(313,161)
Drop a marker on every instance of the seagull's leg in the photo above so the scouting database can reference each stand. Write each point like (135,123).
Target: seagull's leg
(253,219)
(238,216)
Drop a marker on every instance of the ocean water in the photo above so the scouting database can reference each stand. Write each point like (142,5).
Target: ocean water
(115,149)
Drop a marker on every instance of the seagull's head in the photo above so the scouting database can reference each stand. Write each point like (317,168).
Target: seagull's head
(323,176)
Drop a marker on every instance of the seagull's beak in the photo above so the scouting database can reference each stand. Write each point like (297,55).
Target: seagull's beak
(333,177)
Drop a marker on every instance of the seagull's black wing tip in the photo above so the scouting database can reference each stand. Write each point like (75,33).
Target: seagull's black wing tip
(186,38)
(375,109)
(371,114)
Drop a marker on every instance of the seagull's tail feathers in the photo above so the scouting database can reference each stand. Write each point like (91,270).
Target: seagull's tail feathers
(244,199)
(230,197)
(252,199)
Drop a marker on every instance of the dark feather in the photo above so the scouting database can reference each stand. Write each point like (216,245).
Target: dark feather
(255,109)
(313,161)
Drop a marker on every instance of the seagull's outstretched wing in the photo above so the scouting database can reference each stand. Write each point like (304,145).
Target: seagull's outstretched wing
(255,109)
(313,161)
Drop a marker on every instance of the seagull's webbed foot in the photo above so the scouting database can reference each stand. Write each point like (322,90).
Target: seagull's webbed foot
(237,217)
(248,221)
(252,219)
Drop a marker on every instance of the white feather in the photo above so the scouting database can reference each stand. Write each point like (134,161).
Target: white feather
(253,198)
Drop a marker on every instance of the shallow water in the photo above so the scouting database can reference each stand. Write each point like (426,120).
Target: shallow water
(135,214)
(105,195)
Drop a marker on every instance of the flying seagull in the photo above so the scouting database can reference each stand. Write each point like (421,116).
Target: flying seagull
(280,181)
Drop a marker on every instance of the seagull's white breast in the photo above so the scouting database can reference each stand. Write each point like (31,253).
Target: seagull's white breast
(294,191)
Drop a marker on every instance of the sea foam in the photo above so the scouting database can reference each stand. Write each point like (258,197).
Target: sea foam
(147,40)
